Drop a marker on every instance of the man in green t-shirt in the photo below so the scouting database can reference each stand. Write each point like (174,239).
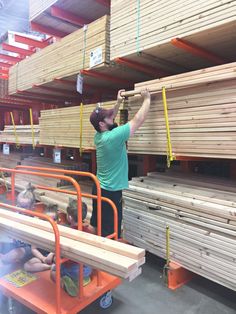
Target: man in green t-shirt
(112,159)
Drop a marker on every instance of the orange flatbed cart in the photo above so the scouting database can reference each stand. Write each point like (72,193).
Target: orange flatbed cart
(43,295)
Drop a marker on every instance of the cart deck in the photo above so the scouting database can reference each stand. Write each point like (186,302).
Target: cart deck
(40,295)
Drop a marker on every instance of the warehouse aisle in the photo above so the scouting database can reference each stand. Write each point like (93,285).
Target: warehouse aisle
(147,294)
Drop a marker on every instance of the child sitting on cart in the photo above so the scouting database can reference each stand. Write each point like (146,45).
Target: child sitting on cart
(69,269)
(34,259)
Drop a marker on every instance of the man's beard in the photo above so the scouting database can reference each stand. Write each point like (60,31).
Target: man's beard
(112,126)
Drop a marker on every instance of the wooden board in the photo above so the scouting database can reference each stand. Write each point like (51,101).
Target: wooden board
(155,23)
(62,126)
(200,216)
(106,257)
(201,110)
(23,134)
(40,13)
(62,59)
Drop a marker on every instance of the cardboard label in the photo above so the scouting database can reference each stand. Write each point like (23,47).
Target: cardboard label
(95,57)
(57,156)
(6,149)
(79,85)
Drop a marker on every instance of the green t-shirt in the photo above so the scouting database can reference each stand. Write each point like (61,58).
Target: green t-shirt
(112,159)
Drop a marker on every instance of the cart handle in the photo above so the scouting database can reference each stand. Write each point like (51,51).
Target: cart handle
(57,246)
(82,174)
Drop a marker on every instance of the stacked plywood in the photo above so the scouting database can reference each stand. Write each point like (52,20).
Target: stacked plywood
(63,59)
(153,23)
(62,126)
(202,219)
(114,257)
(41,12)
(202,114)
(23,134)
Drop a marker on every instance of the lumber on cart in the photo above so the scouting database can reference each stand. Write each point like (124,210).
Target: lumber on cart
(43,12)
(108,255)
(201,110)
(200,212)
(63,126)
(22,134)
(63,59)
(150,26)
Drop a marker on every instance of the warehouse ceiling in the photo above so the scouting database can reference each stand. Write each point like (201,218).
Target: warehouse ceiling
(14,16)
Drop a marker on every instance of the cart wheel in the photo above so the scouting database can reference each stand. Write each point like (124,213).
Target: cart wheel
(106,300)
(14,307)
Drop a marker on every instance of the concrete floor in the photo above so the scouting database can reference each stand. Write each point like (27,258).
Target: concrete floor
(148,294)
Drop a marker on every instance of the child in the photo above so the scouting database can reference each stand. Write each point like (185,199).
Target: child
(70,270)
(41,260)
(18,250)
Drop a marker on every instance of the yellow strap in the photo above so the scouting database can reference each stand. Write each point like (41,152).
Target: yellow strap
(81,129)
(167,246)
(14,126)
(170,156)
(32,127)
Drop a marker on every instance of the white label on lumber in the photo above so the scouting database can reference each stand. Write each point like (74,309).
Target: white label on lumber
(79,85)
(6,149)
(57,156)
(95,57)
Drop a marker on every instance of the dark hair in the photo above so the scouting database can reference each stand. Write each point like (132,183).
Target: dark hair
(73,211)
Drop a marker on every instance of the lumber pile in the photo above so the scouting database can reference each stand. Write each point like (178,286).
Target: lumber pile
(202,114)
(23,179)
(63,126)
(200,212)
(155,23)
(3,88)
(23,132)
(46,65)
(108,255)
(42,12)
(12,160)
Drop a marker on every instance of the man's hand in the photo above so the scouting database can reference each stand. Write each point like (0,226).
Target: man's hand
(146,94)
(119,97)
(118,102)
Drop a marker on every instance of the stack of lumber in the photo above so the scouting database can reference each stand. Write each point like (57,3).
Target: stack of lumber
(42,12)
(24,134)
(155,23)
(63,59)
(63,126)
(12,160)
(23,179)
(108,255)
(3,88)
(200,212)
(202,114)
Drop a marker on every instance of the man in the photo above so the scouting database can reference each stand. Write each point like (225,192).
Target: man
(112,160)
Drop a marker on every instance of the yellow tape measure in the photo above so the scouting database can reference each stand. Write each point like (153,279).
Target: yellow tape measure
(170,156)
